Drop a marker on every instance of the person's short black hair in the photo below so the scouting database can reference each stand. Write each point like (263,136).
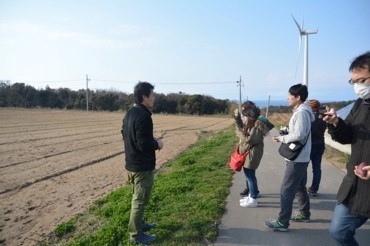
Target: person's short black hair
(299,90)
(250,109)
(142,89)
(361,62)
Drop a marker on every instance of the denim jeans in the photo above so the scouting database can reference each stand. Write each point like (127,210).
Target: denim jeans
(142,185)
(316,157)
(344,224)
(294,183)
(251,182)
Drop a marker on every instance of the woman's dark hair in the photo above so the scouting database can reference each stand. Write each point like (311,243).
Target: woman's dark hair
(251,110)
(361,62)
(299,90)
(142,89)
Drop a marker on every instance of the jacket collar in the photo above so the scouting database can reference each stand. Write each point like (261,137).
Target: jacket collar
(143,107)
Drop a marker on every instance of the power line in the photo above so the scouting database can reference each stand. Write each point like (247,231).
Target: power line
(167,83)
(115,81)
(50,81)
(125,82)
(89,79)
(197,83)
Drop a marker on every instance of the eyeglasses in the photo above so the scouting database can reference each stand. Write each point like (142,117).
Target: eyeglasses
(359,81)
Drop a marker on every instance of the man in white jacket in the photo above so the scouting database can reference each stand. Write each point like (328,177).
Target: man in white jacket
(295,177)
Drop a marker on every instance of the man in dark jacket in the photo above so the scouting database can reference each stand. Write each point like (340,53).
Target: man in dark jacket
(318,128)
(353,198)
(140,146)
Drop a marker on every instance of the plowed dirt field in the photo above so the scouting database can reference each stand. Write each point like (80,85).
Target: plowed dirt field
(54,164)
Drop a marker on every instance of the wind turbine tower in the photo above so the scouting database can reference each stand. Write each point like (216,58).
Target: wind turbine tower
(305,34)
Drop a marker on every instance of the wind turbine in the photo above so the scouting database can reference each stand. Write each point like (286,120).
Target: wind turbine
(304,33)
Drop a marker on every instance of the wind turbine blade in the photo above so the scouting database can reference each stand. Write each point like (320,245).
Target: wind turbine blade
(312,31)
(302,22)
(299,28)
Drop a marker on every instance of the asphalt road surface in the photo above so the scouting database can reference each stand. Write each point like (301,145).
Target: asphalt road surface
(245,226)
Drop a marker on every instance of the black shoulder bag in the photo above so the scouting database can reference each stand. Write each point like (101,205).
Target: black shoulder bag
(291,151)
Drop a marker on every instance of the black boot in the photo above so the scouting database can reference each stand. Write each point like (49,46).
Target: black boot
(245,192)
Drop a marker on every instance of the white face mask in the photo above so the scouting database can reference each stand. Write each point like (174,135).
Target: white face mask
(362,90)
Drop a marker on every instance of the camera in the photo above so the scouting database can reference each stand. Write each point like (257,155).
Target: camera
(284,130)
(323,111)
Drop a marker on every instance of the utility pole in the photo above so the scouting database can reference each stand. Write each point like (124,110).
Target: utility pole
(268,106)
(239,83)
(87,93)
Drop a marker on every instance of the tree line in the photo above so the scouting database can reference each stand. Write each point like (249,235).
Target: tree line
(26,96)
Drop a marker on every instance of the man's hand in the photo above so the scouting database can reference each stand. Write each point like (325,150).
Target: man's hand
(366,170)
(275,139)
(236,113)
(331,117)
(160,144)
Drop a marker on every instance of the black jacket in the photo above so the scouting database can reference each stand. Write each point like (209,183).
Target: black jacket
(318,128)
(140,145)
(355,130)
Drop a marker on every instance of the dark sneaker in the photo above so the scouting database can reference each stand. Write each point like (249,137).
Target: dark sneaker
(276,225)
(245,192)
(299,217)
(312,192)
(144,239)
(148,226)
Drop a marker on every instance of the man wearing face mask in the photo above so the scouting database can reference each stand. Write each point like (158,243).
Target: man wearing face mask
(353,200)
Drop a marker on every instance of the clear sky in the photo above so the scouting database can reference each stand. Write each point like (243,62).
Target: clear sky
(192,46)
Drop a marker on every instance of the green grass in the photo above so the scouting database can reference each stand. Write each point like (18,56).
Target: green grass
(187,202)
(336,157)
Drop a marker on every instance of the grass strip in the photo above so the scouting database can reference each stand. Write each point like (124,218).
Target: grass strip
(187,202)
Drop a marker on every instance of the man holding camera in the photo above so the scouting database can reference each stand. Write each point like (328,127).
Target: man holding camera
(295,176)
(353,200)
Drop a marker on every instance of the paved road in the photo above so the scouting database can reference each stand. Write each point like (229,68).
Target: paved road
(244,226)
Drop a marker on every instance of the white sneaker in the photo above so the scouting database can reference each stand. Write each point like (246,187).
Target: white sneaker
(251,203)
(244,199)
